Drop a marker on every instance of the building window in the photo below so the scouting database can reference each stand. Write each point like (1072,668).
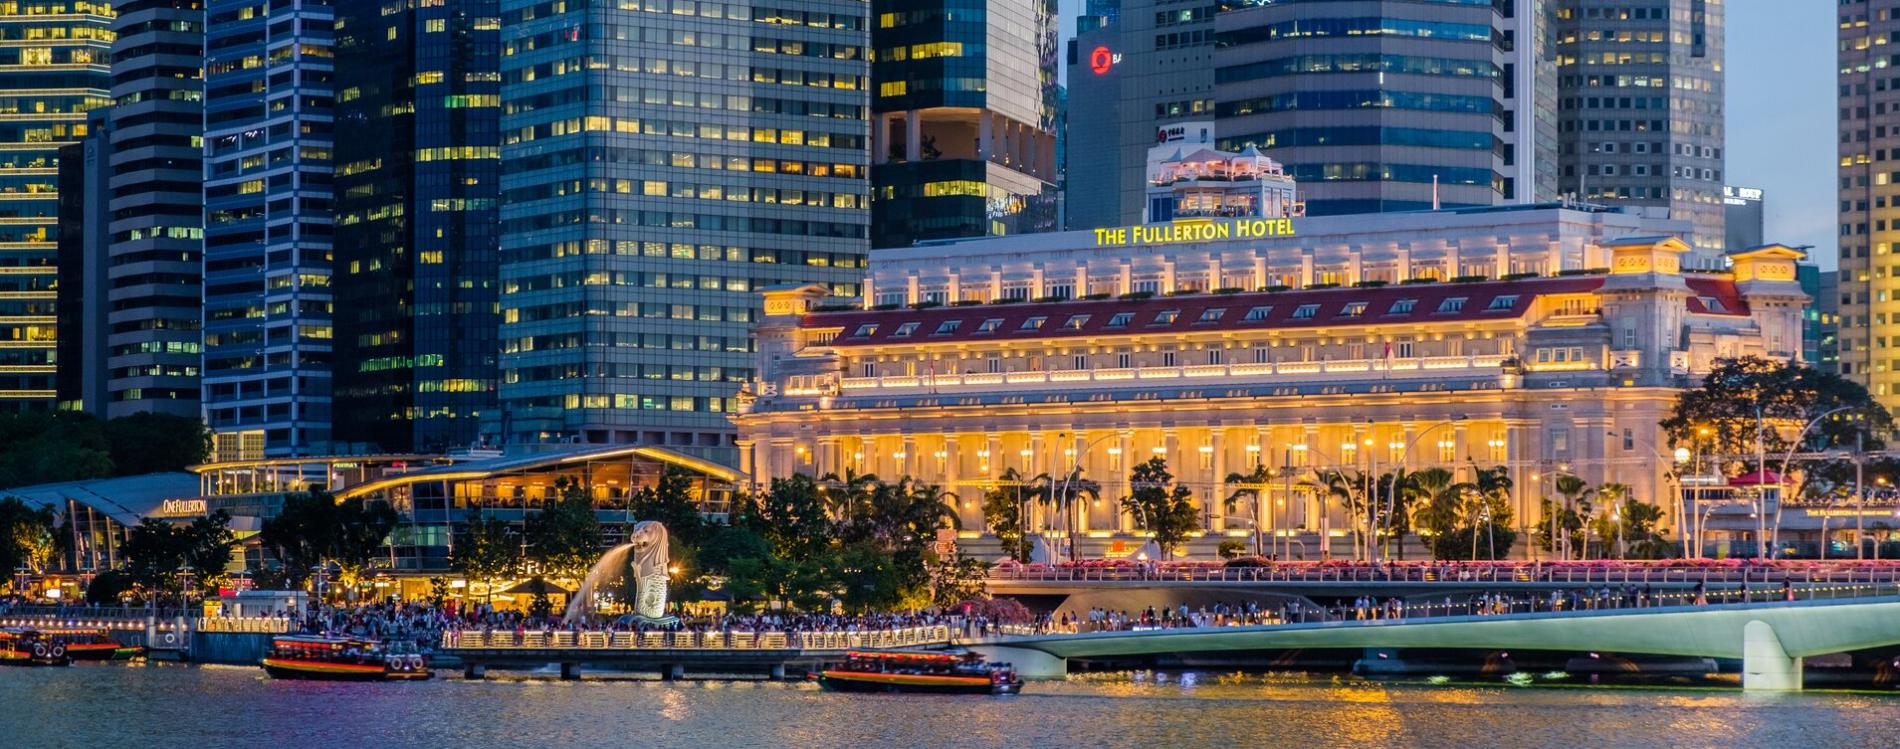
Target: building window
(1503,303)
(1123,361)
(1353,309)
(904,330)
(1075,322)
(1081,361)
(990,325)
(995,364)
(1305,311)
(1629,337)
(1167,359)
(1257,314)
(1061,291)
(1120,320)
(1454,304)
(1033,323)
(865,331)
(1214,355)
(869,370)
(1402,349)
(1212,314)
(1166,317)
(1402,307)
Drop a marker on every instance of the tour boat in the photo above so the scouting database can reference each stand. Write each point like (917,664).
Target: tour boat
(92,645)
(910,671)
(340,659)
(31,647)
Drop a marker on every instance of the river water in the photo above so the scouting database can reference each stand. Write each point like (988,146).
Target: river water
(110,706)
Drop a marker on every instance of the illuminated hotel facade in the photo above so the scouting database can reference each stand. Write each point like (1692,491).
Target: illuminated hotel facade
(1543,339)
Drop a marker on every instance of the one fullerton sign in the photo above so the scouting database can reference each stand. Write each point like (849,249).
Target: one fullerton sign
(1195,231)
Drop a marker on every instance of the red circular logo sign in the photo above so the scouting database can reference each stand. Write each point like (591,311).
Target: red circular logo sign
(1100,60)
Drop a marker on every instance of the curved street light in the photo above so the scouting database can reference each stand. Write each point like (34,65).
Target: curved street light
(1391,490)
(1775,548)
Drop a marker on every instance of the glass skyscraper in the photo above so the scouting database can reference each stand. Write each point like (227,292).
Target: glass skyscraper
(964,119)
(417,161)
(54,66)
(664,160)
(268,143)
(154,292)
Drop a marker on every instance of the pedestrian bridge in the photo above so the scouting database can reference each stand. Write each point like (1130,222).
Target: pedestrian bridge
(1769,638)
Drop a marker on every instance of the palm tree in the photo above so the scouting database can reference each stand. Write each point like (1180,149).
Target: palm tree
(1347,486)
(1576,494)
(1440,493)
(1061,495)
(1610,525)
(1248,485)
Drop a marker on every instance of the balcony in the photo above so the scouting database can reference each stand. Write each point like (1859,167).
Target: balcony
(1345,370)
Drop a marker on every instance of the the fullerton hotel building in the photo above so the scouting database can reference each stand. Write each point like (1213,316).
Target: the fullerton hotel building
(1544,339)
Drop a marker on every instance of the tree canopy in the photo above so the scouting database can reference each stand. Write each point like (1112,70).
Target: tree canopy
(51,446)
(1164,508)
(1720,416)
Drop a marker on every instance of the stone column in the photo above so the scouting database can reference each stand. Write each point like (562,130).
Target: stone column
(908,460)
(1125,443)
(1216,496)
(913,137)
(1037,464)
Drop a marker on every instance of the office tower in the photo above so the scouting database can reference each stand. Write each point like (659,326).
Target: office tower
(268,141)
(1869,202)
(417,180)
(54,68)
(1145,79)
(84,171)
(154,290)
(963,109)
(1819,320)
(1742,217)
(1640,110)
(648,195)
(1376,106)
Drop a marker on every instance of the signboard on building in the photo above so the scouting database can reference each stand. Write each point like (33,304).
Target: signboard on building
(1199,230)
(182,508)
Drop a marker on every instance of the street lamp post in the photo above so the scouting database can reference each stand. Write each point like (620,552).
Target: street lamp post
(1785,460)
(1068,485)
(1391,492)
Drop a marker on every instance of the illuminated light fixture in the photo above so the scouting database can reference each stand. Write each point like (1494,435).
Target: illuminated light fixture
(1253,448)
(900,455)
(857,456)
(1206,448)
(1299,448)
(1069,452)
(982,453)
(1025,453)
(942,454)
(1114,451)
(1158,450)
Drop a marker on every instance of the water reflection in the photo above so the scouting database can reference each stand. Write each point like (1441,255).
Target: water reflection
(94,707)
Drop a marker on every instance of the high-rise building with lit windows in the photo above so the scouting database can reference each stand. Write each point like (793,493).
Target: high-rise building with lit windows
(417,167)
(1869,172)
(54,67)
(1640,110)
(963,119)
(268,143)
(662,160)
(154,276)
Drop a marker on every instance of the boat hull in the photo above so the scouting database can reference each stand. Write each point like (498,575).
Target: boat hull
(18,658)
(850,681)
(320,671)
(102,652)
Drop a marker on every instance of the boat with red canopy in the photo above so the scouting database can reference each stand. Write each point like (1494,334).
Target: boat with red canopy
(914,671)
(340,659)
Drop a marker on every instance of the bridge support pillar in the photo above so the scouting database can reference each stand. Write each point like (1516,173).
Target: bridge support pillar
(570,672)
(674,672)
(1766,665)
(1030,664)
(778,672)
(474,671)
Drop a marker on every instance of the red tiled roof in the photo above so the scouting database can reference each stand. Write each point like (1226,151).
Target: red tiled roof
(1311,308)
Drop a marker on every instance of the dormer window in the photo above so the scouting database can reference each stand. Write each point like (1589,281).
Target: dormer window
(1075,322)
(1353,309)
(1503,303)
(1402,307)
(1258,314)
(1454,304)
(1212,314)
(990,325)
(1166,317)
(1120,320)
(1712,304)
(866,330)
(1305,311)
(904,330)
(1033,323)
(947,327)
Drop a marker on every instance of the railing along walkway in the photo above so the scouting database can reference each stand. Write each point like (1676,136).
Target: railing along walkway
(713,640)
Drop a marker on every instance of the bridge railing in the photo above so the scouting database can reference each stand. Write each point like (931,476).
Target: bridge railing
(248,625)
(1375,611)
(688,640)
(1647,574)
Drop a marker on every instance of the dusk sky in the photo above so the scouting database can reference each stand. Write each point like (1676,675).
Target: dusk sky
(1780,76)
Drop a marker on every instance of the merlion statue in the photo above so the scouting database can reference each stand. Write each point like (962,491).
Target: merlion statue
(642,559)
